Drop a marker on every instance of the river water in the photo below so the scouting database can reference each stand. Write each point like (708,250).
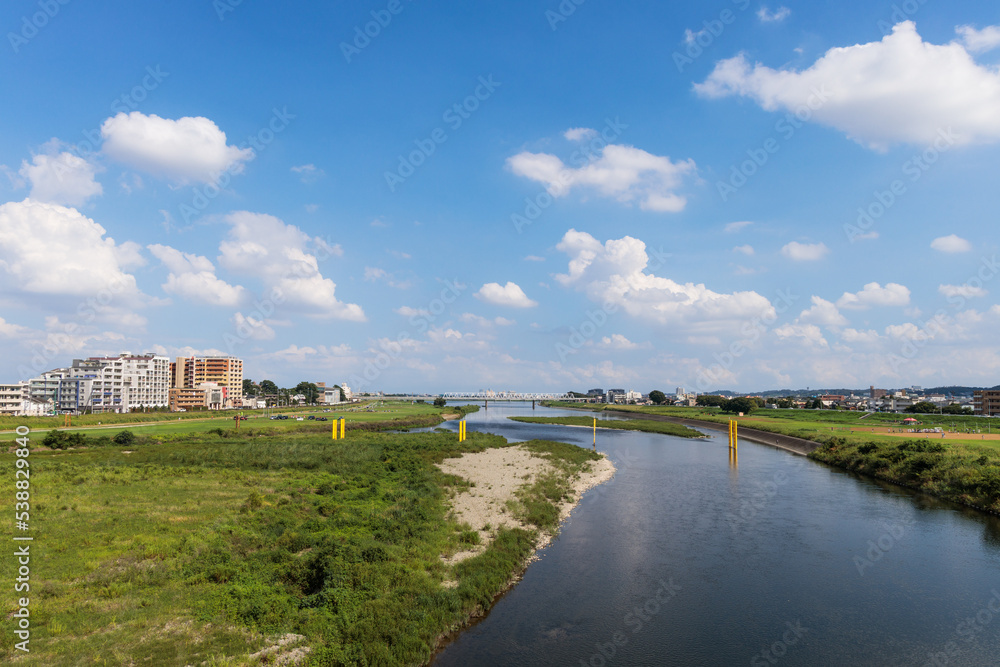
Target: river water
(683,559)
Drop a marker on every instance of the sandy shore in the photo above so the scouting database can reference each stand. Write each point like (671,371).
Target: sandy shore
(495,476)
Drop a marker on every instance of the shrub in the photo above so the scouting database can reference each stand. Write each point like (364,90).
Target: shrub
(124,438)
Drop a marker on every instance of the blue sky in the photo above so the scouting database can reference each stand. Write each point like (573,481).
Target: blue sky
(517,195)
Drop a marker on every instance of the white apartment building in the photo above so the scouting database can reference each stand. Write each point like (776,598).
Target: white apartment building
(106,384)
(12,397)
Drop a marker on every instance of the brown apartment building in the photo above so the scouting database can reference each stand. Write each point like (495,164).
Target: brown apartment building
(192,372)
(986,402)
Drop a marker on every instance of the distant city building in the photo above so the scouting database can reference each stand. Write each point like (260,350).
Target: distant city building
(986,402)
(105,384)
(186,399)
(191,372)
(595,392)
(615,396)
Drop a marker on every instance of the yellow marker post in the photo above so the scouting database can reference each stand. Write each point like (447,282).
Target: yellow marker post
(595,434)
(343,428)
(334,429)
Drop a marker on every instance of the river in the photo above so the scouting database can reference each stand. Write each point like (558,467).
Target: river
(683,559)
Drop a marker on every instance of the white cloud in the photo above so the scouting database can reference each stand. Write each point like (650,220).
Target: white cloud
(809,333)
(625,173)
(966,291)
(534,258)
(308,173)
(505,295)
(804,252)
(733,227)
(614,274)
(186,150)
(855,336)
(252,328)
(745,249)
(618,342)
(61,179)
(193,277)
(951,244)
(51,249)
(767,16)
(873,294)
(979,41)
(823,313)
(580,133)
(471,318)
(13,331)
(287,260)
(898,90)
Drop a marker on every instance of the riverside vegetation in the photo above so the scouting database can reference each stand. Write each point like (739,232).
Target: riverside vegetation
(644,425)
(207,547)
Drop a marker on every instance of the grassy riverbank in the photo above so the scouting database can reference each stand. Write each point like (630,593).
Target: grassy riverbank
(207,547)
(929,466)
(645,425)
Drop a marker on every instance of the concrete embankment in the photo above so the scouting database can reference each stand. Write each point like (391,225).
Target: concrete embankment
(786,442)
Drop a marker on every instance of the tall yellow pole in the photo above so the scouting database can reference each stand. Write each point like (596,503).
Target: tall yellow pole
(595,434)
(334,429)
(343,427)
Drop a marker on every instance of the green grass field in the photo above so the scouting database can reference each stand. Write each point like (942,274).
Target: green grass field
(197,547)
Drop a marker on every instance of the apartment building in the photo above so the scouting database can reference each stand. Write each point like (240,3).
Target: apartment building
(105,384)
(227,372)
(986,402)
(12,398)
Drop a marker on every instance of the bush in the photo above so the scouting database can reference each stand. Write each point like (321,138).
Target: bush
(439,402)
(63,440)
(124,438)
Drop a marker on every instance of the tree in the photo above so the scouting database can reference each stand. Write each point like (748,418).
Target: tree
(268,387)
(309,390)
(784,403)
(923,407)
(439,402)
(740,404)
(657,397)
(249,388)
(956,409)
(710,400)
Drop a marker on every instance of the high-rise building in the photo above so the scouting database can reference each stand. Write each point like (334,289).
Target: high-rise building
(192,372)
(986,402)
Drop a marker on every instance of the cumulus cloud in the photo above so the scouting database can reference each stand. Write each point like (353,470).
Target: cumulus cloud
(618,342)
(873,294)
(510,295)
(979,41)
(52,249)
(951,244)
(855,336)
(614,274)
(252,328)
(966,291)
(193,277)
(186,150)
(625,173)
(287,260)
(767,16)
(61,179)
(745,249)
(804,252)
(823,313)
(898,90)
(580,133)
(308,173)
(809,334)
